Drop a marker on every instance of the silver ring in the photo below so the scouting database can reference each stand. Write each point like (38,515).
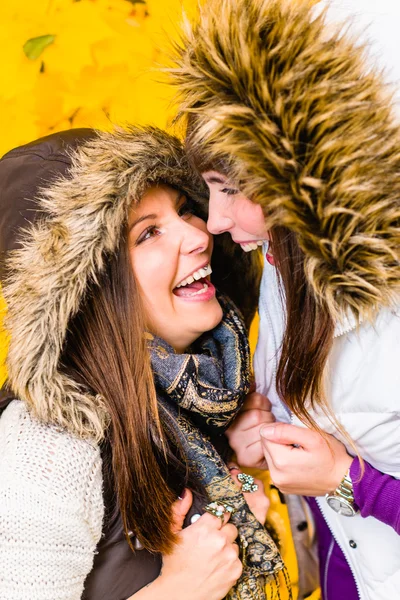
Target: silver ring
(219,509)
(248,485)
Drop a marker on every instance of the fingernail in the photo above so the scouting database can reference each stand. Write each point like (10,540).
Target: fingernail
(233,467)
(267,432)
(183,494)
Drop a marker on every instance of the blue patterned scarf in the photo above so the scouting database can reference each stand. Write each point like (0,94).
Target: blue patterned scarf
(203,392)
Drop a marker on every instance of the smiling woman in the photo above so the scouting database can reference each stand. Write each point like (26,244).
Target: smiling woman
(126,367)
(231,211)
(170,251)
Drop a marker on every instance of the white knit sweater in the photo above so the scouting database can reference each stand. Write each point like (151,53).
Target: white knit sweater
(51,509)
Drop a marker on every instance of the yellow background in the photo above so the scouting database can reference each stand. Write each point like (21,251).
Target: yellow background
(101,67)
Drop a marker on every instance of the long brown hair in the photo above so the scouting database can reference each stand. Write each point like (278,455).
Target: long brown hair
(106,351)
(308,333)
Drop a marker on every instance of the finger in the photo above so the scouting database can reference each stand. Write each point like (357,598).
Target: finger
(251,418)
(211,521)
(256,400)
(230,532)
(257,457)
(244,442)
(252,455)
(282,457)
(289,435)
(180,508)
(233,468)
(273,471)
(235,471)
(267,456)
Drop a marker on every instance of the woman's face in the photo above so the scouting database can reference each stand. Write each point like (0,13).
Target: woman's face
(231,211)
(170,251)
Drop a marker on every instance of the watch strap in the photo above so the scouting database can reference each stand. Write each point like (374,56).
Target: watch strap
(345,488)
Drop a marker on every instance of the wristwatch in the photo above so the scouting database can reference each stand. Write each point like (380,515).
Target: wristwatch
(342,499)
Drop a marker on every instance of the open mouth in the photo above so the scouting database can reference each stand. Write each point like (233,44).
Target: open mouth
(196,286)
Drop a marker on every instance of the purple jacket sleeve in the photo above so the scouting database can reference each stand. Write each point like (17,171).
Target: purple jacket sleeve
(376,494)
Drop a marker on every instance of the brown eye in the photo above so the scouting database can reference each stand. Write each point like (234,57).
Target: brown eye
(149,232)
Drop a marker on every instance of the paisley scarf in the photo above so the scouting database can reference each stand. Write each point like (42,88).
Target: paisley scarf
(202,392)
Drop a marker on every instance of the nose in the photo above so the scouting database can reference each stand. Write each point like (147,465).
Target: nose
(218,219)
(194,239)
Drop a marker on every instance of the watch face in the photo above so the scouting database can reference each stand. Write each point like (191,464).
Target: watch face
(340,506)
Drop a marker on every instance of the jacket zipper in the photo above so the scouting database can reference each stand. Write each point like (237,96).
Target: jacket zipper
(318,501)
(328,560)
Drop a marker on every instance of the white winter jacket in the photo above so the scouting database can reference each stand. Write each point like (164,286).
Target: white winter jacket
(363,387)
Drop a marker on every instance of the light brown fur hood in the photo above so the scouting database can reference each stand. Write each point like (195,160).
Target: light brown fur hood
(306,127)
(82,215)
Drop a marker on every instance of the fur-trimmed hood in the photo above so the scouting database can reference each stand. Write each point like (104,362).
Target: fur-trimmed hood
(64,202)
(306,127)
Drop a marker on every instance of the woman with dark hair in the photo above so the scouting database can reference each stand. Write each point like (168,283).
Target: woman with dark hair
(294,132)
(125,368)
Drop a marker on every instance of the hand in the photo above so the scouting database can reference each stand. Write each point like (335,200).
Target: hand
(244,433)
(204,564)
(314,468)
(258,501)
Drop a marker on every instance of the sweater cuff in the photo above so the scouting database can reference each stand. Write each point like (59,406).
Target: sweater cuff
(376,494)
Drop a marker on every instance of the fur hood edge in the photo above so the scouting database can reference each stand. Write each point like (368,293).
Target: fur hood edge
(59,255)
(293,106)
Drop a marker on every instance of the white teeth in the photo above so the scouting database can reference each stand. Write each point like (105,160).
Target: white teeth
(251,246)
(199,274)
(203,289)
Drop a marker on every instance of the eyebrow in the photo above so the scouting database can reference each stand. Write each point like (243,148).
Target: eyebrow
(153,216)
(215,179)
(142,218)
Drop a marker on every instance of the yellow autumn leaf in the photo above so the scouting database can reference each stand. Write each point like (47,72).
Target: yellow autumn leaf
(78,26)
(152,104)
(24,11)
(18,73)
(96,117)
(123,16)
(17,122)
(48,97)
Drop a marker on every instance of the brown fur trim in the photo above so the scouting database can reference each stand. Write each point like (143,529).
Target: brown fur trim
(84,213)
(306,124)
